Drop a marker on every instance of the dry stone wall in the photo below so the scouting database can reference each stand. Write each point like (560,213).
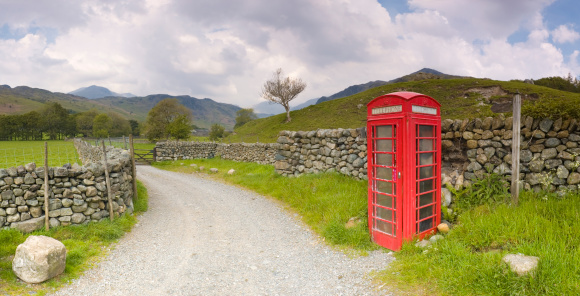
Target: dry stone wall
(256,152)
(549,157)
(77,194)
(324,150)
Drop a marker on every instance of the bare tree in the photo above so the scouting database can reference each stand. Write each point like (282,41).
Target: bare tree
(281,90)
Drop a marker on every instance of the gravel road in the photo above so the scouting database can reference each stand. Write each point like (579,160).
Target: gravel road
(202,237)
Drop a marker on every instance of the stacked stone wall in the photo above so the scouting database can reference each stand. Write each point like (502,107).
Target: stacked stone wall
(257,152)
(549,157)
(77,194)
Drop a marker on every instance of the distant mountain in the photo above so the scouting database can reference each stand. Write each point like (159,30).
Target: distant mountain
(205,111)
(268,108)
(97,92)
(22,99)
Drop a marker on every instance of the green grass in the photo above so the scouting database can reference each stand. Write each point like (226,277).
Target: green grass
(456,102)
(468,260)
(324,201)
(85,245)
(15,153)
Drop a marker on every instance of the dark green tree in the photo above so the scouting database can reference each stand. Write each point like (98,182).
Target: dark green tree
(55,120)
(102,124)
(84,122)
(244,116)
(135,128)
(162,115)
(216,132)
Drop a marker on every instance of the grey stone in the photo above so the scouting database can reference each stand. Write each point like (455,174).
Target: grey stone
(91,191)
(562,172)
(536,166)
(521,264)
(29,225)
(473,166)
(78,218)
(7,195)
(67,203)
(526,156)
(38,259)
(552,142)
(546,124)
(446,197)
(573,178)
(549,153)
(503,169)
(80,209)
(552,163)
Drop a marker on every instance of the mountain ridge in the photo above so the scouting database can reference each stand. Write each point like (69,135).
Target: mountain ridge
(96,92)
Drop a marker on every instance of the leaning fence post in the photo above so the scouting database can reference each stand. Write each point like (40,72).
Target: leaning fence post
(108,180)
(515,188)
(134,170)
(46,224)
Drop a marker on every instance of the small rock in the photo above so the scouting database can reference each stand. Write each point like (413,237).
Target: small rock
(423,244)
(231,172)
(436,237)
(443,228)
(213,170)
(201,168)
(193,165)
(520,263)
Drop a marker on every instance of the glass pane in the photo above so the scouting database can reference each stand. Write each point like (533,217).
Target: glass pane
(384,159)
(385,201)
(384,173)
(425,172)
(384,145)
(425,212)
(425,225)
(425,145)
(426,185)
(385,187)
(426,130)
(385,227)
(384,214)
(425,199)
(385,131)
(425,158)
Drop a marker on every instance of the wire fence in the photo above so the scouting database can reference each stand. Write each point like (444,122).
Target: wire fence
(16,153)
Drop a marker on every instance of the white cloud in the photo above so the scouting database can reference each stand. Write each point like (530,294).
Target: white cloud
(565,34)
(226,49)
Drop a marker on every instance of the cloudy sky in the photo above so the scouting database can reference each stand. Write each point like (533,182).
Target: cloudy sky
(226,49)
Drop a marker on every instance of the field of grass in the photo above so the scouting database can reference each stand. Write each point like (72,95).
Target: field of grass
(15,153)
(466,262)
(85,244)
(324,201)
(455,95)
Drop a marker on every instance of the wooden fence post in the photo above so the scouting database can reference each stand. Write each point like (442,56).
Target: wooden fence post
(108,180)
(515,187)
(134,170)
(46,224)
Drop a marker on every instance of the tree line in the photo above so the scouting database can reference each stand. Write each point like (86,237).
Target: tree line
(55,123)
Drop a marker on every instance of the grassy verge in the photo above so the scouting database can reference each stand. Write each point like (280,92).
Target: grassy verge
(468,261)
(325,201)
(85,245)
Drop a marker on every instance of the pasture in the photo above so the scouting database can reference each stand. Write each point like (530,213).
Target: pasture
(15,153)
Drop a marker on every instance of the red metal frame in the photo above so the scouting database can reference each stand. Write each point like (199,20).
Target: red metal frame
(415,211)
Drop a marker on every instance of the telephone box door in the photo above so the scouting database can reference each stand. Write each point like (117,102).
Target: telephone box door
(424,203)
(385,192)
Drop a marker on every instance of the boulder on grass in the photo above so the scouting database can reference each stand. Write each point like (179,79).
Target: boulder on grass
(38,259)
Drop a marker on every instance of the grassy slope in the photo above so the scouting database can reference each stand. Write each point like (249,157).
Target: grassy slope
(345,112)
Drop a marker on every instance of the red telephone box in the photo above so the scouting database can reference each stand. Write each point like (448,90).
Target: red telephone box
(404,167)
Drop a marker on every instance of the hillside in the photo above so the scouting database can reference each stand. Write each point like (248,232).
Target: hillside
(205,111)
(460,98)
(23,99)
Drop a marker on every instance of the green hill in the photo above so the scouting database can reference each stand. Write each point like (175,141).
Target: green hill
(459,98)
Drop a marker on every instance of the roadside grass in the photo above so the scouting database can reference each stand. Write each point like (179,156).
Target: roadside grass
(324,201)
(15,153)
(85,244)
(468,261)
